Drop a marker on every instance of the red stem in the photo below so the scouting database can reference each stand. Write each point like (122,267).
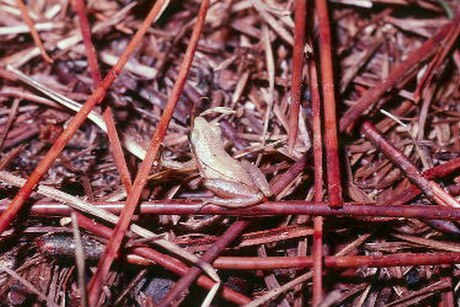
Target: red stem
(318,174)
(80,8)
(329,104)
(297,68)
(33,31)
(270,263)
(181,206)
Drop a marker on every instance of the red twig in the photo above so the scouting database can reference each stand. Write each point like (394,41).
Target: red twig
(373,95)
(144,256)
(33,31)
(443,170)
(430,188)
(80,8)
(270,263)
(141,179)
(117,150)
(332,262)
(318,173)
(180,206)
(329,104)
(114,140)
(57,147)
(297,68)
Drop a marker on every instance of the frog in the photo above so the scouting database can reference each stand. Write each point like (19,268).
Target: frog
(236,184)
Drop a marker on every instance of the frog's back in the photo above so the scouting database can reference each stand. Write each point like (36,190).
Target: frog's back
(212,158)
(225,167)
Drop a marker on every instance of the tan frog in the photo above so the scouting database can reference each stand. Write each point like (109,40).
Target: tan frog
(238,184)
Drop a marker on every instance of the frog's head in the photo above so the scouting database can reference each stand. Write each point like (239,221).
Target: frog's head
(204,132)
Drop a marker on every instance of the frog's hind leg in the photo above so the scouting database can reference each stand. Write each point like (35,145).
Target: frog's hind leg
(258,177)
(232,194)
(233,202)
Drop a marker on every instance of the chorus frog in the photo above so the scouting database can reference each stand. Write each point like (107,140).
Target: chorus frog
(238,184)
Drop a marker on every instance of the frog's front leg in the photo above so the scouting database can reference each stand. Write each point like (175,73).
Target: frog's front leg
(233,194)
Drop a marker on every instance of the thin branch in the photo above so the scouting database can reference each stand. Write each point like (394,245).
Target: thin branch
(398,259)
(297,69)
(80,8)
(329,104)
(318,185)
(186,207)
(33,31)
